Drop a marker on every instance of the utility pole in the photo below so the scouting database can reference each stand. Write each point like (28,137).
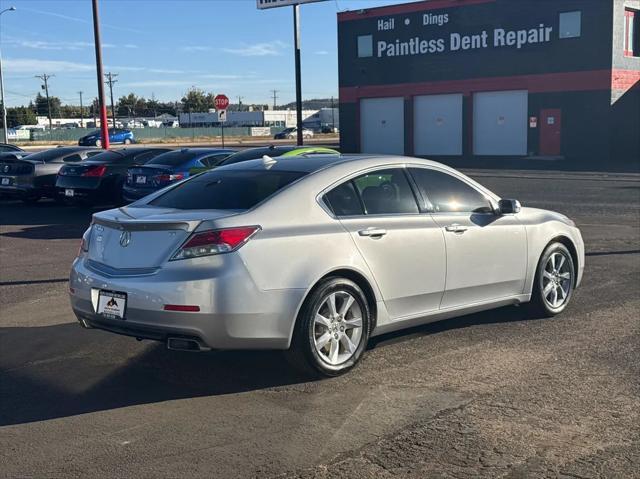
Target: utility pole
(275,97)
(239,103)
(296,35)
(110,81)
(45,78)
(81,111)
(104,129)
(93,111)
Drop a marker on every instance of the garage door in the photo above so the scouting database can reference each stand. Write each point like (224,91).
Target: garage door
(382,125)
(437,125)
(500,123)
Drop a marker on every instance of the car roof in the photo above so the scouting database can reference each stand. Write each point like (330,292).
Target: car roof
(312,163)
(128,152)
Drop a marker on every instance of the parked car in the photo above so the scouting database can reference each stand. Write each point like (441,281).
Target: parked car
(292,133)
(8,147)
(276,151)
(116,135)
(329,129)
(316,255)
(31,177)
(168,168)
(99,180)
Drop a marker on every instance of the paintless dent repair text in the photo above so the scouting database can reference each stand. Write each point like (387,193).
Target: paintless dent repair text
(456,42)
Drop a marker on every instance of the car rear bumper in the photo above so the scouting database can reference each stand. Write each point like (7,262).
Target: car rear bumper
(23,186)
(234,313)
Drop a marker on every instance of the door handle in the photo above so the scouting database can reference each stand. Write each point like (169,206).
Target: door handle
(456,228)
(373,232)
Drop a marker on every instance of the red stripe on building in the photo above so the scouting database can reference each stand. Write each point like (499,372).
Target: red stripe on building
(546,82)
(625,79)
(407,8)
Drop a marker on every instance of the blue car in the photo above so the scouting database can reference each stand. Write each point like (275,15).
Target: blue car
(116,135)
(168,168)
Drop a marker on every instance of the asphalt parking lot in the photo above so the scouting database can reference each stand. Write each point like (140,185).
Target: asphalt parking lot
(485,395)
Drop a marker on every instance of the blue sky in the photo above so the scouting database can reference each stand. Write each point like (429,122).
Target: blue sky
(163,47)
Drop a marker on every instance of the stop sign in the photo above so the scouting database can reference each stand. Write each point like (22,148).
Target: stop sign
(221,102)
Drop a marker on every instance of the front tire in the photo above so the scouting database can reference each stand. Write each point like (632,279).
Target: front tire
(332,329)
(554,281)
(127,141)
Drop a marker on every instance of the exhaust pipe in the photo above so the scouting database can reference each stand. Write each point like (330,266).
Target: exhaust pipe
(185,344)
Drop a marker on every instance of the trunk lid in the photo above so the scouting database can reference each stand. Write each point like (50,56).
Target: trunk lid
(149,177)
(143,238)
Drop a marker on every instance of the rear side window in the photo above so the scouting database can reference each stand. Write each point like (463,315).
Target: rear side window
(143,158)
(343,200)
(448,194)
(226,190)
(213,160)
(386,192)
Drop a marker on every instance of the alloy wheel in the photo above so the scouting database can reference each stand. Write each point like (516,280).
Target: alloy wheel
(556,280)
(337,327)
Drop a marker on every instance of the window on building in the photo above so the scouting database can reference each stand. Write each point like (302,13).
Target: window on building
(365,46)
(570,24)
(631,35)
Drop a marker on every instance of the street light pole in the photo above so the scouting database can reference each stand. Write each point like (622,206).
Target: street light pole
(5,135)
(296,34)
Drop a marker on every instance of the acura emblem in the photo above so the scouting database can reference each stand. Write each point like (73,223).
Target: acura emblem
(125,238)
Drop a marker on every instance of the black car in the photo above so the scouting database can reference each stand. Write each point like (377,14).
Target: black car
(33,176)
(9,148)
(99,180)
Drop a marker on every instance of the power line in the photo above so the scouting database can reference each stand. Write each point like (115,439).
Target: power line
(45,78)
(110,81)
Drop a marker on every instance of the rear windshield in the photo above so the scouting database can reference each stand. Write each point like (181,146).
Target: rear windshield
(226,190)
(173,158)
(49,155)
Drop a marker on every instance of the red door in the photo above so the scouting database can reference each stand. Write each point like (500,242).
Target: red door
(550,131)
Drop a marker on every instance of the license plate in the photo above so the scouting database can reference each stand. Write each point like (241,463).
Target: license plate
(69,192)
(112,304)
(141,180)
(6,181)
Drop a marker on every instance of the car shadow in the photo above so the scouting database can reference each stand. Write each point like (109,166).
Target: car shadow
(63,370)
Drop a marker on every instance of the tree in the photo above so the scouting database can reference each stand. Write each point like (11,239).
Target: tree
(132,105)
(42,108)
(196,100)
(20,115)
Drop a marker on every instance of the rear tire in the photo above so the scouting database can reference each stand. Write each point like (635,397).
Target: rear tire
(332,329)
(127,141)
(554,282)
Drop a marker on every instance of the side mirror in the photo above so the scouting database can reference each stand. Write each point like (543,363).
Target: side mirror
(508,207)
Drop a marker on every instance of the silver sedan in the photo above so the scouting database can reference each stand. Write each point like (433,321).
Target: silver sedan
(315,255)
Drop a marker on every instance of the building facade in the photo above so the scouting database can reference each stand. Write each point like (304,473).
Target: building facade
(475,79)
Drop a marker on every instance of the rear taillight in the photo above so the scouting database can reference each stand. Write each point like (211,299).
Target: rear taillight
(213,242)
(97,170)
(175,177)
(84,242)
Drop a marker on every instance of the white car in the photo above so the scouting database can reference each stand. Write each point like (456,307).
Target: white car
(316,254)
(292,133)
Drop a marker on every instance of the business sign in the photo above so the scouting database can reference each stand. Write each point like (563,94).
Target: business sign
(435,33)
(263,4)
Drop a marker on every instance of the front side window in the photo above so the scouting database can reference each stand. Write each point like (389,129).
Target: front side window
(570,24)
(386,192)
(448,194)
